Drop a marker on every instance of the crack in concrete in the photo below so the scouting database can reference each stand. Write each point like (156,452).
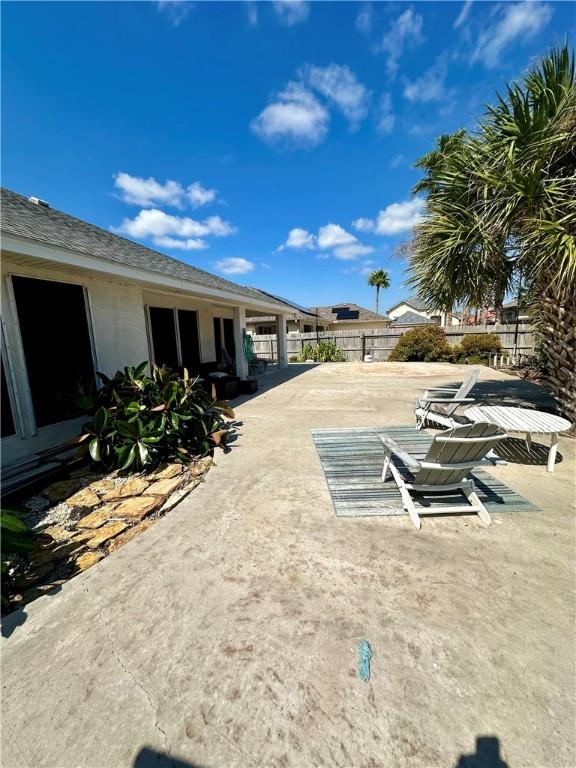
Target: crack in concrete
(130,673)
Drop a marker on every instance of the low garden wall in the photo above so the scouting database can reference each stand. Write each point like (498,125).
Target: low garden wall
(517,340)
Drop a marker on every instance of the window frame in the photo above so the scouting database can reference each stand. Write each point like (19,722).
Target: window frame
(175,311)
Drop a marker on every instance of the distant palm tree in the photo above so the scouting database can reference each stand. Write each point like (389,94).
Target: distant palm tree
(379,279)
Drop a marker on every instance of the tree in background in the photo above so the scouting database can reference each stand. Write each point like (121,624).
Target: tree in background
(379,279)
(501,211)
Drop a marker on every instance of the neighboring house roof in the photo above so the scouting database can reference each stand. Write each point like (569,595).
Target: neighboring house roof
(412,318)
(40,223)
(411,301)
(346,312)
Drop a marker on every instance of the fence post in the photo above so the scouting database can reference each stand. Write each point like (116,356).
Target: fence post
(363,348)
(272,350)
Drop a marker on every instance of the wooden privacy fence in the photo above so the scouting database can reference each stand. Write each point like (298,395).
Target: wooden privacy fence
(517,341)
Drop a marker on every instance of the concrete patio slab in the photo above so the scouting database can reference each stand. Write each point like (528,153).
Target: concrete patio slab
(227,634)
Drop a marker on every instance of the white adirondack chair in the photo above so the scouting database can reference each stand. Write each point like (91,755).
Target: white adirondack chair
(441,409)
(444,469)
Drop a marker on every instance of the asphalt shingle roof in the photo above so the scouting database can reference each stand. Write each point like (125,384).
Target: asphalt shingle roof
(326,314)
(413,301)
(412,318)
(20,216)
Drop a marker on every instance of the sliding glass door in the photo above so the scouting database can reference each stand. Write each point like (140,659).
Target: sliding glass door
(57,347)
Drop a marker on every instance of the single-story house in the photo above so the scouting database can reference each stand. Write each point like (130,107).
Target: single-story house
(512,314)
(78,299)
(415,313)
(334,317)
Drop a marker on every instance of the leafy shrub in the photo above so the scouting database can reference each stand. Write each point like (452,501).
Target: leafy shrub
(323,352)
(425,343)
(307,353)
(142,420)
(17,539)
(475,360)
(480,345)
(294,359)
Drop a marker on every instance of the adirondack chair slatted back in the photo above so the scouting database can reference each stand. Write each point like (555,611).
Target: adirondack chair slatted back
(462,447)
(465,388)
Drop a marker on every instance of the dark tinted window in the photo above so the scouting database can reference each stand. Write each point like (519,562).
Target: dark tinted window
(164,337)
(189,341)
(56,340)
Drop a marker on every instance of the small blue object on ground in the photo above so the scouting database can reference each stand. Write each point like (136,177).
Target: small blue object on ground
(364,656)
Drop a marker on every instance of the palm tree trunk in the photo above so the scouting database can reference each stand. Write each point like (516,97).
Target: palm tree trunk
(377,297)
(558,332)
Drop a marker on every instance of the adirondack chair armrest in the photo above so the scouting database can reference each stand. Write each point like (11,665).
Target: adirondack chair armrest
(438,389)
(393,447)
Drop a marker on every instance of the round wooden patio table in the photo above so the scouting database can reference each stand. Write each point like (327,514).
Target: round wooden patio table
(524,420)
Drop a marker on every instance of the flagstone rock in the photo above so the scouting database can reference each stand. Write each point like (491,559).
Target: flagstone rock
(130,534)
(177,496)
(168,472)
(87,560)
(138,506)
(102,486)
(98,517)
(61,490)
(58,533)
(164,487)
(107,532)
(84,498)
(132,487)
(51,554)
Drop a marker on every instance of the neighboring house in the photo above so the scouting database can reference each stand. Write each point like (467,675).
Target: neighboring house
(77,299)
(511,313)
(334,317)
(415,312)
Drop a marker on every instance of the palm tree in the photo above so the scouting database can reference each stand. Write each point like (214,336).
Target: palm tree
(379,279)
(501,212)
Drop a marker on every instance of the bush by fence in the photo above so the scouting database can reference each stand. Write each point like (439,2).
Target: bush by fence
(379,342)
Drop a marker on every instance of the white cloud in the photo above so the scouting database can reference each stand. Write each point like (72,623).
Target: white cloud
(405,30)
(291,12)
(199,195)
(430,86)
(352,251)
(176,10)
(400,217)
(154,223)
(145,192)
(234,266)
(463,15)
(364,20)
(394,219)
(516,21)
(190,244)
(339,85)
(296,118)
(364,225)
(252,11)
(397,161)
(333,235)
(385,118)
(299,238)
(149,192)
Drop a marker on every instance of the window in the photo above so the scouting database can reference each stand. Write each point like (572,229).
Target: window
(266,330)
(308,329)
(57,346)
(175,338)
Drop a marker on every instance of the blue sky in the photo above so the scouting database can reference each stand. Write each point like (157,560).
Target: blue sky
(268,142)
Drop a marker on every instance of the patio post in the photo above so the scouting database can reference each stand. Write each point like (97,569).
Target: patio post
(281,341)
(239,321)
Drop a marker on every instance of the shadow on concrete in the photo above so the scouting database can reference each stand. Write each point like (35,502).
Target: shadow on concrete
(150,758)
(514,450)
(13,620)
(487,755)
(276,378)
(512,392)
